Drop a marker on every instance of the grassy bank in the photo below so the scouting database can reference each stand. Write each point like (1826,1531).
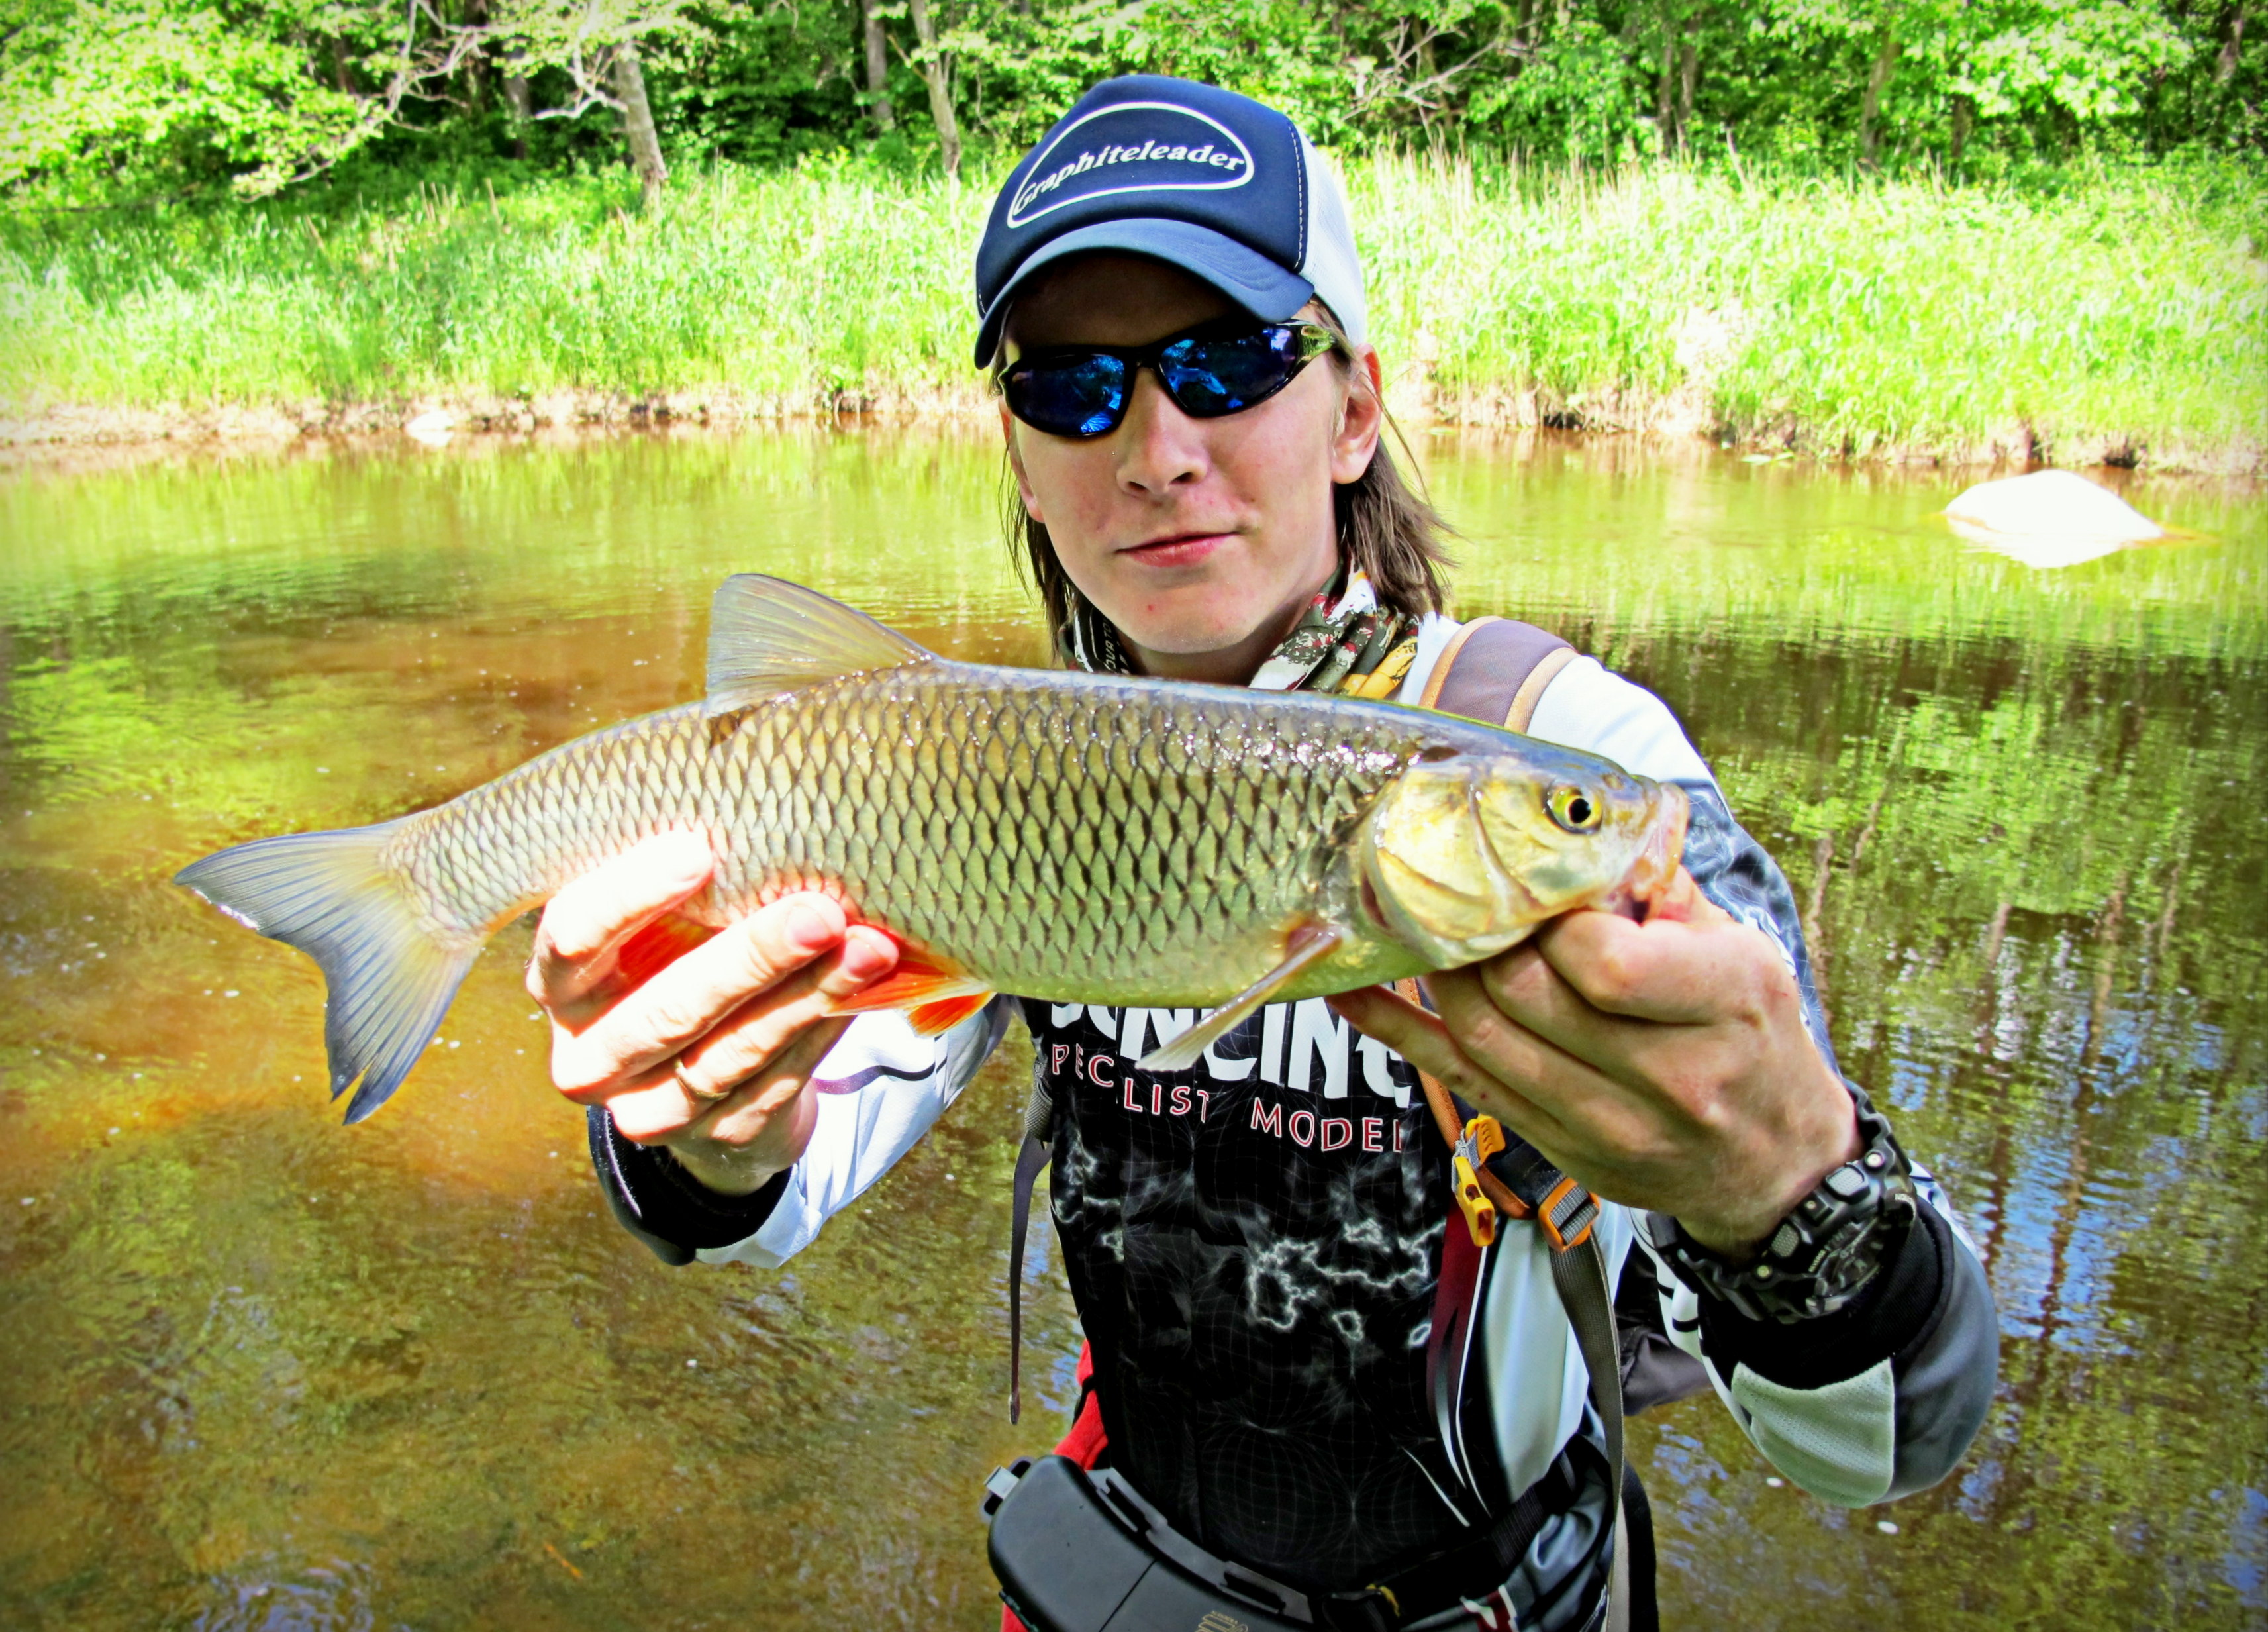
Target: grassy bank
(2121,315)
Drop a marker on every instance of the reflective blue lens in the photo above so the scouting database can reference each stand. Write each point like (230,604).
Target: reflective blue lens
(1080,396)
(1084,394)
(1212,377)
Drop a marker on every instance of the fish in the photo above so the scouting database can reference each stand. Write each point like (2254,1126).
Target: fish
(1058,835)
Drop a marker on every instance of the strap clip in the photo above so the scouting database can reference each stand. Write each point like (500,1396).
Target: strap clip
(1482,1139)
(1567,1215)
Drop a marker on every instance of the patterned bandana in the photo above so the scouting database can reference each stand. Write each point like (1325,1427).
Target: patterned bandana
(1346,644)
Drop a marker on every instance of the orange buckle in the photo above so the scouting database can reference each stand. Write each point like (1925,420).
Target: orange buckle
(1568,1214)
(1482,1139)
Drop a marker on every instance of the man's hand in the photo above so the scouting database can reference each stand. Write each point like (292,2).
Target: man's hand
(630,989)
(1664,1065)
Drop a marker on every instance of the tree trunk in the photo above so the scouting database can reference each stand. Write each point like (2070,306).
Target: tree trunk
(1964,118)
(937,73)
(1523,46)
(1665,102)
(476,65)
(638,125)
(1689,69)
(877,48)
(1886,58)
(520,99)
(2224,66)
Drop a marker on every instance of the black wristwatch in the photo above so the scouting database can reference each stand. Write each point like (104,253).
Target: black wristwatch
(1824,1253)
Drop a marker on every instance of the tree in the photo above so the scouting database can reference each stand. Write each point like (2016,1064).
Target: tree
(596,43)
(935,66)
(1878,77)
(875,48)
(638,124)
(110,99)
(158,96)
(102,95)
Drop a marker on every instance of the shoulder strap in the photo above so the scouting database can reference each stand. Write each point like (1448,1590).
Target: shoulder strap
(1031,1156)
(1494,670)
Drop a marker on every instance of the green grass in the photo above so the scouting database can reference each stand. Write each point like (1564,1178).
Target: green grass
(1831,315)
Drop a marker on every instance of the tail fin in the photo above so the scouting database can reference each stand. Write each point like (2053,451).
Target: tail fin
(391,978)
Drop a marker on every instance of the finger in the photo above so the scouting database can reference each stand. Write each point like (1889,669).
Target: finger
(651,1106)
(658,1107)
(679,1005)
(778,1091)
(1584,1120)
(1688,973)
(1426,1042)
(752,1038)
(1382,1013)
(1681,901)
(587,923)
(1524,985)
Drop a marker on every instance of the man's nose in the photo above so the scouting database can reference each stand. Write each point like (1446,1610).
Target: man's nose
(1161,447)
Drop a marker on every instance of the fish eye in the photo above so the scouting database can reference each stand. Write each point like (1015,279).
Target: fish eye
(1572,809)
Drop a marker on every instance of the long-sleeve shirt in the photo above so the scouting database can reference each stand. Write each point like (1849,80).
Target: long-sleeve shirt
(1253,1245)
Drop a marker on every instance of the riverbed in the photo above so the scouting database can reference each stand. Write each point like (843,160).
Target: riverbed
(263,1371)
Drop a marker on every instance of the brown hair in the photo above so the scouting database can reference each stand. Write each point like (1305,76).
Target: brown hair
(1387,528)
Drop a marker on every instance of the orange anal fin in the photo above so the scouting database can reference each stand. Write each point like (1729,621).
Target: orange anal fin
(922,978)
(929,1019)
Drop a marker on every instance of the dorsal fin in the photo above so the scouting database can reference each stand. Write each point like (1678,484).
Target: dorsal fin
(767,636)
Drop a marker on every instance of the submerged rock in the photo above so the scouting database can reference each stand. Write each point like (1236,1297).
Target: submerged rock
(2049,519)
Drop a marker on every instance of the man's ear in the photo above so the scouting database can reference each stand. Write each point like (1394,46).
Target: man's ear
(1362,418)
(1016,464)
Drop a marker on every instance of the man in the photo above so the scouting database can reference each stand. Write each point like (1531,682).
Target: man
(1263,1248)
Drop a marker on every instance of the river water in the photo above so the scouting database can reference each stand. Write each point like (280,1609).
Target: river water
(260,1372)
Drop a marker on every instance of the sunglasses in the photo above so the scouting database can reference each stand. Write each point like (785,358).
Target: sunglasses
(1084,391)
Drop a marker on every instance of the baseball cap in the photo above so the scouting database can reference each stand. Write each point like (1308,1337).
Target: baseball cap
(1227,189)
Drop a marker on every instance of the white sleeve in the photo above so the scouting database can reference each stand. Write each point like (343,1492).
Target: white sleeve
(879,1090)
(1588,706)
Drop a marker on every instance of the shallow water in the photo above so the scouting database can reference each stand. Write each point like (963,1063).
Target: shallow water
(261,1372)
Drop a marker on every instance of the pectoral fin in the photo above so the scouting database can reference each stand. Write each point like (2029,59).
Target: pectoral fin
(931,1019)
(1180,1054)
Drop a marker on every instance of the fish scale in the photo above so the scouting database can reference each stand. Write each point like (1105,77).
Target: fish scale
(899,829)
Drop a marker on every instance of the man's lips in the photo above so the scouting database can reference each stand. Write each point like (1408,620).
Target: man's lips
(1179,549)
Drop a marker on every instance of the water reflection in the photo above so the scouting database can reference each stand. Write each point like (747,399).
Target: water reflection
(267,1373)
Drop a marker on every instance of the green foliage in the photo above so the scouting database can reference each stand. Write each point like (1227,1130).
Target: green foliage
(102,100)
(104,96)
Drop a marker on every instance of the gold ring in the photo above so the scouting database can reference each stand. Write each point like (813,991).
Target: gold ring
(698,1095)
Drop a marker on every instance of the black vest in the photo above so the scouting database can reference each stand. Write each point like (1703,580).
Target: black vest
(1253,1244)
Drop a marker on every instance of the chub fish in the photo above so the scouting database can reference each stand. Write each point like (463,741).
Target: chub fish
(1065,836)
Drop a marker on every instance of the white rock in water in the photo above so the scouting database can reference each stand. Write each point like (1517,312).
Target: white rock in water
(2049,519)
(433,427)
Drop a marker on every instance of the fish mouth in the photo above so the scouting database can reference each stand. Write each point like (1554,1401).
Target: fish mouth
(1655,869)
